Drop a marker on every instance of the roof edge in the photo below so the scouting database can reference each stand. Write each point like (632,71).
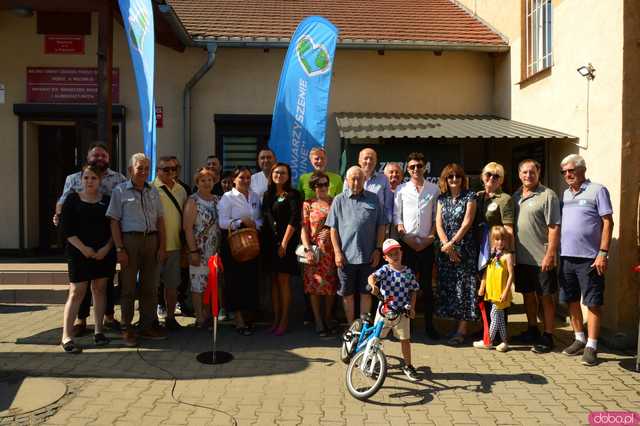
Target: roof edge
(264,43)
(481,20)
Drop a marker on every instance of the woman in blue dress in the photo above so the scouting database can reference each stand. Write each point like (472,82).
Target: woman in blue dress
(458,256)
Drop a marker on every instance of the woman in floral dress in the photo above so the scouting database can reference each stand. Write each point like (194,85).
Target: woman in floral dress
(320,278)
(203,235)
(457,260)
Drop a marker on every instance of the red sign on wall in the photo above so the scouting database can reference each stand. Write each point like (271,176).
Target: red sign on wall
(159,117)
(67,85)
(64,44)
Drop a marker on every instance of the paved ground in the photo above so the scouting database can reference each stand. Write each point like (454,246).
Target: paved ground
(298,379)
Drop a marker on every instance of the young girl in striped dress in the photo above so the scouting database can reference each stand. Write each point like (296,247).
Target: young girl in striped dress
(496,287)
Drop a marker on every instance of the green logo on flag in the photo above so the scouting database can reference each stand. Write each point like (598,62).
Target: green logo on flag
(314,58)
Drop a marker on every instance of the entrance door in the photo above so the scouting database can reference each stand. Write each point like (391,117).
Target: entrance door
(57,157)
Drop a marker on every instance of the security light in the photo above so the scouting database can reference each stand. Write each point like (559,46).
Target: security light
(587,71)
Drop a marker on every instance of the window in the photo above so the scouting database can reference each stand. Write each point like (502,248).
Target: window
(537,54)
(239,138)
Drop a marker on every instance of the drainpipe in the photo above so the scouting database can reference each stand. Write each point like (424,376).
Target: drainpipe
(186,99)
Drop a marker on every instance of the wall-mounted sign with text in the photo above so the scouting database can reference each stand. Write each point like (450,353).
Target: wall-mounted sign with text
(64,44)
(67,85)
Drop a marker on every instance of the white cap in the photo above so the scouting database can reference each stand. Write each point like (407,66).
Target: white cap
(390,244)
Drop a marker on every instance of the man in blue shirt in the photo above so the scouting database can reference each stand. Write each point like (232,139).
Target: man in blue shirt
(358,227)
(584,252)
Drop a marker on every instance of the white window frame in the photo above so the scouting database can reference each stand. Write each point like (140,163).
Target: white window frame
(538,37)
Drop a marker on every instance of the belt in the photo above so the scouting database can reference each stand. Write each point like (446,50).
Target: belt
(141,233)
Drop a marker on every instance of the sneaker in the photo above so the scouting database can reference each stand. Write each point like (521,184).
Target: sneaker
(172,324)
(411,373)
(432,333)
(71,348)
(527,337)
(479,344)
(502,347)
(113,325)
(589,357)
(178,309)
(129,338)
(576,348)
(544,344)
(162,312)
(153,333)
(100,339)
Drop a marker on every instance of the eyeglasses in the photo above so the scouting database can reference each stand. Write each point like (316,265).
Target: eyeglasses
(168,169)
(322,184)
(565,171)
(454,176)
(495,176)
(417,166)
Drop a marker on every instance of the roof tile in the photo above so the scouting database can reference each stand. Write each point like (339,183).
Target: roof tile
(398,20)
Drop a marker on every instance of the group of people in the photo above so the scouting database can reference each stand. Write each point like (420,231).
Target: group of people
(332,232)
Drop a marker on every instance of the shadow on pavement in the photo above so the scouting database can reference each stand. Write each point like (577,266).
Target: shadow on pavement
(15,309)
(422,392)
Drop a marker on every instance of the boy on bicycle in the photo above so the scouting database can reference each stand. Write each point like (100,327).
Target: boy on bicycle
(396,281)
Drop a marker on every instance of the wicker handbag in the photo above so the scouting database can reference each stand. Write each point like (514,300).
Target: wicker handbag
(244,244)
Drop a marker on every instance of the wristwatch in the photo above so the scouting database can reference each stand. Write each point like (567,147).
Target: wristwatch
(603,253)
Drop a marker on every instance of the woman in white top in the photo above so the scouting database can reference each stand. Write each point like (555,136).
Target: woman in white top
(240,208)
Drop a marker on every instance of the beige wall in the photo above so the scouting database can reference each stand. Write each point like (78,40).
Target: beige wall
(244,81)
(583,31)
(21,48)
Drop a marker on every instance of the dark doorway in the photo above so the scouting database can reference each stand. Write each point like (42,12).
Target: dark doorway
(239,138)
(57,158)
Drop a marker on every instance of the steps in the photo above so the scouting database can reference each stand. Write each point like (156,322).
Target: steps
(33,283)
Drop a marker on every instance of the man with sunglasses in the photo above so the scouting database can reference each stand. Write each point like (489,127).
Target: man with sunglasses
(584,253)
(537,243)
(172,196)
(414,217)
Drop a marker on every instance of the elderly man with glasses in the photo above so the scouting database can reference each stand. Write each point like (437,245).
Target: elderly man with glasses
(584,252)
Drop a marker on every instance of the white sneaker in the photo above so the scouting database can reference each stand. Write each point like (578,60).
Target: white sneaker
(480,345)
(502,347)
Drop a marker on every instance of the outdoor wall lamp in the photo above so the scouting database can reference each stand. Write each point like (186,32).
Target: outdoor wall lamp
(587,71)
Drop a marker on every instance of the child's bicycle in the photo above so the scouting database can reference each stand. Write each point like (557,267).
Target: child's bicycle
(362,350)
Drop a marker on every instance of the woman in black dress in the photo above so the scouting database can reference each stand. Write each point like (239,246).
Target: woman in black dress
(281,210)
(90,254)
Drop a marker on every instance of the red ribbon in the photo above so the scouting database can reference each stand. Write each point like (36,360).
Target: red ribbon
(210,295)
(485,323)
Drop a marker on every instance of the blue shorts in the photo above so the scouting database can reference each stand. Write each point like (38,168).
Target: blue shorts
(578,278)
(354,278)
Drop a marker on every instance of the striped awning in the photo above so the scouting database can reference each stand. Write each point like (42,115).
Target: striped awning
(356,125)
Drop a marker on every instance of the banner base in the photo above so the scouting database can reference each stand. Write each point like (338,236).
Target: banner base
(217,357)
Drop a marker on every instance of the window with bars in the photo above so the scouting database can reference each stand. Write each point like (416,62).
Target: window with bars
(537,48)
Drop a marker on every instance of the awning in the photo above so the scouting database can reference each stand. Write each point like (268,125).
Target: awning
(353,125)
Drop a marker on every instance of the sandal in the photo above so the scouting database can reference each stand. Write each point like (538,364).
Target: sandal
(456,340)
(323,333)
(71,348)
(100,339)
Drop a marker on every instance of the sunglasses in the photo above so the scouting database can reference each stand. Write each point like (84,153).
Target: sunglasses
(489,175)
(168,169)
(454,176)
(565,171)
(415,166)
(322,184)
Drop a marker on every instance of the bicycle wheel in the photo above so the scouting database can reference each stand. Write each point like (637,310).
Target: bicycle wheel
(349,344)
(361,384)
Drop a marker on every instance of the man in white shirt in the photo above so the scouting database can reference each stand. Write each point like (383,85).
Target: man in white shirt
(260,180)
(414,216)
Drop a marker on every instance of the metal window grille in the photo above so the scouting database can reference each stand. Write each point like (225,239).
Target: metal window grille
(538,14)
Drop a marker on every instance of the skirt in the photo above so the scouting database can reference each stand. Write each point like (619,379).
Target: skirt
(240,281)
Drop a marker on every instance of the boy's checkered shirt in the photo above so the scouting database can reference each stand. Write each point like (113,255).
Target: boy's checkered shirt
(396,284)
